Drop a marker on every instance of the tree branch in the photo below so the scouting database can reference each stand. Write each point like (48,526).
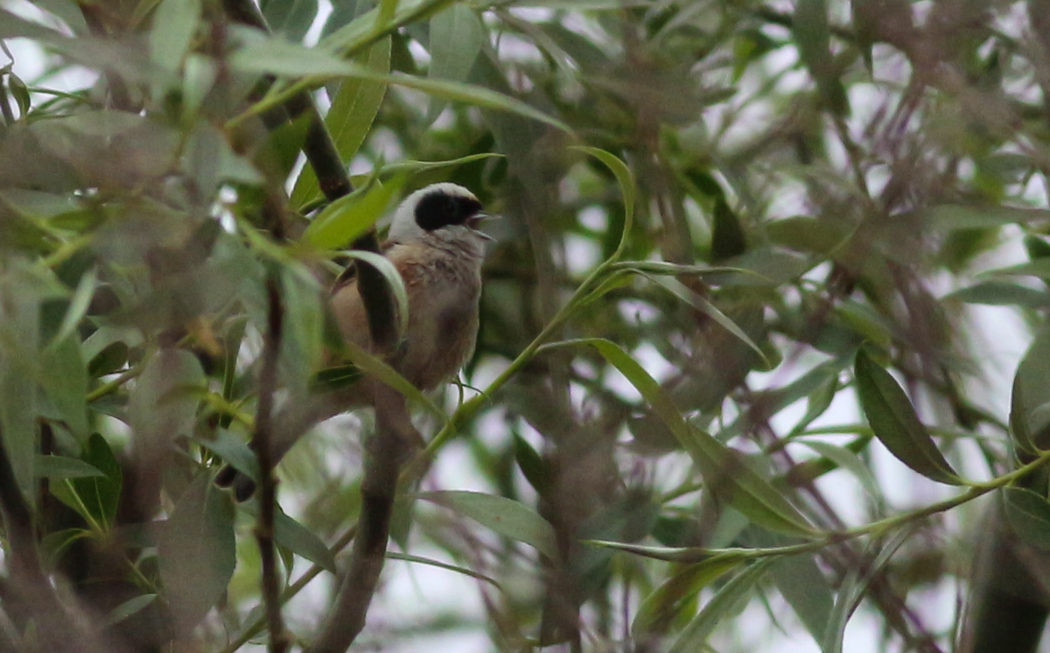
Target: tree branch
(271,585)
(395,435)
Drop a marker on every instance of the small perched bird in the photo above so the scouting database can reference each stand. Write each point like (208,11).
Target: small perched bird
(437,249)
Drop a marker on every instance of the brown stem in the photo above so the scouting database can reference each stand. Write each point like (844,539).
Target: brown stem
(271,585)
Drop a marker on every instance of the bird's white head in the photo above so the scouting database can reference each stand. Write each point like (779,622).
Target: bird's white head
(445,211)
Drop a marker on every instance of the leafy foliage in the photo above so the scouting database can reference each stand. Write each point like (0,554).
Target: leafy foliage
(761,271)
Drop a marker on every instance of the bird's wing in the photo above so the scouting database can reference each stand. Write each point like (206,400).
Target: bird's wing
(349,273)
(346,302)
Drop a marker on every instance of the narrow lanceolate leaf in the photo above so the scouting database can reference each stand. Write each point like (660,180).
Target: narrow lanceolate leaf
(895,424)
(296,538)
(813,36)
(627,188)
(94,496)
(1029,515)
(724,472)
(348,217)
(723,604)
(59,467)
(350,118)
(676,594)
(505,516)
(456,37)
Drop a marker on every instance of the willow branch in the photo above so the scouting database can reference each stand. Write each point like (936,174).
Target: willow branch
(262,442)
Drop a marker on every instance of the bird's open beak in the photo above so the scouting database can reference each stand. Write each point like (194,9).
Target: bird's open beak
(475,221)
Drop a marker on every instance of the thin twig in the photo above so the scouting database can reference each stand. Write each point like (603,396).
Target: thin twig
(271,584)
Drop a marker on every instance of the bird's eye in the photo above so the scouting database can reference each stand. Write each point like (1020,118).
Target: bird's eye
(451,208)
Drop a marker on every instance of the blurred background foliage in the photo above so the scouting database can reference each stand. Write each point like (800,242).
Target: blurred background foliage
(774,392)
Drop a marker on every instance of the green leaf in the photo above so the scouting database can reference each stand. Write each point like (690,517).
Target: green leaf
(727,236)
(721,605)
(895,424)
(960,216)
(676,594)
(342,221)
(814,45)
(845,459)
(234,451)
(1028,515)
(804,587)
(64,378)
(852,589)
(128,608)
(397,286)
(197,552)
(174,24)
(698,302)
(94,497)
(349,120)
(290,18)
(505,516)
(456,37)
(78,306)
(724,473)
(393,555)
(59,467)
(1001,293)
(287,60)
(627,188)
(163,403)
(296,538)
(1029,426)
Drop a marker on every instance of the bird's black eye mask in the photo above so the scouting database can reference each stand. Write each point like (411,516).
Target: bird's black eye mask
(439,209)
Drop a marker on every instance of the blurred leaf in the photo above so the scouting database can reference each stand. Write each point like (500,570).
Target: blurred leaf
(678,592)
(393,555)
(727,236)
(298,539)
(290,18)
(129,608)
(163,404)
(94,497)
(288,60)
(1001,293)
(814,45)
(1030,426)
(687,295)
(959,216)
(197,552)
(505,516)
(854,586)
(59,467)
(804,587)
(1029,515)
(456,36)
(531,465)
(234,451)
(847,460)
(721,605)
(726,475)
(349,120)
(895,423)
(174,25)
(65,382)
(78,306)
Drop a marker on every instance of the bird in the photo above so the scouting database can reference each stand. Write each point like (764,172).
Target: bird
(437,248)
